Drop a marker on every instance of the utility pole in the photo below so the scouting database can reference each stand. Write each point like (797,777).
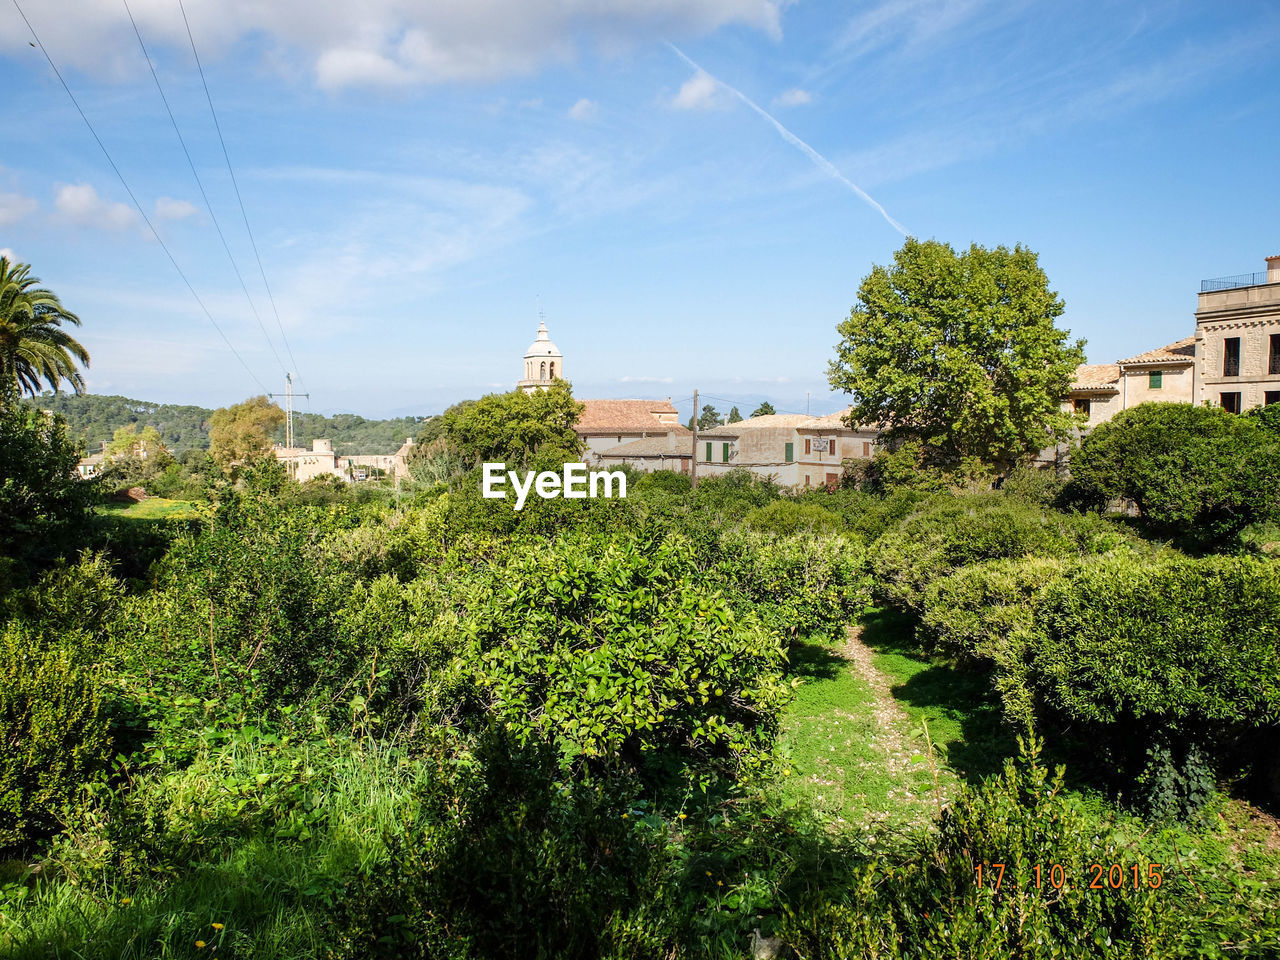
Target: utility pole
(288,415)
(288,407)
(693,465)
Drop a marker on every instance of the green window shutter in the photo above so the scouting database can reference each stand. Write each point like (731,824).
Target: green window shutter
(790,452)
(724,453)
(1155,379)
(708,451)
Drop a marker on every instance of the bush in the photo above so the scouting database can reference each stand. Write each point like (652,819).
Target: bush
(54,735)
(796,586)
(1198,475)
(44,505)
(946,535)
(787,518)
(618,654)
(933,905)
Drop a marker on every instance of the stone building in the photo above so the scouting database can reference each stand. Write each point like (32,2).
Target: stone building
(607,424)
(824,443)
(666,451)
(321,461)
(543,363)
(792,449)
(1238,339)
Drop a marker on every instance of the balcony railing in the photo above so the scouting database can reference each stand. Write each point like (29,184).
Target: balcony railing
(1233,283)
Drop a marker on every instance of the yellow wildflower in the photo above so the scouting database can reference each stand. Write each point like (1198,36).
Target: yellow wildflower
(216,926)
(199,944)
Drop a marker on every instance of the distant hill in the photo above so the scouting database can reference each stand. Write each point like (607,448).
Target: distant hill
(93,418)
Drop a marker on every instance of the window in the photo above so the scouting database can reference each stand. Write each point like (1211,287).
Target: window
(866,448)
(542,371)
(1273,366)
(789,452)
(1155,379)
(553,369)
(1230,402)
(806,479)
(724,453)
(806,446)
(1231,357)
(1270,397)
(1082,406)
(831,446)
(708,451)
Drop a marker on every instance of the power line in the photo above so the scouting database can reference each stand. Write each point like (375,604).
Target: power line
(226,156)
(123,182)
(200,183)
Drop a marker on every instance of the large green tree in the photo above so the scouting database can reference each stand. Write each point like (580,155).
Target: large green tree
(764,410)
(513,426)
(33,346)
(1198,475)
(960,352)
(242,432)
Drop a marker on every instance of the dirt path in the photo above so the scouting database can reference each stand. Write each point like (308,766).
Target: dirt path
(897,737)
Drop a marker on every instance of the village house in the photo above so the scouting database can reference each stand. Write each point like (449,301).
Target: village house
(1238,340)
(664,451)
(605,424)
(823,444)
(321,461)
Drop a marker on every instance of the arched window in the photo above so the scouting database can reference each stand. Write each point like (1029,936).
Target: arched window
(553,369)
(542,371)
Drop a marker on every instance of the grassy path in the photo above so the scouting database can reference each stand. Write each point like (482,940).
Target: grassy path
(858,756)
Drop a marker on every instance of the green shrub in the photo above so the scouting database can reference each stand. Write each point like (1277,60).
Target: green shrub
(1037,485)
(1197,475)
(618,653)
(933,904)
(796,586)
(44,505)
(786,517)
(946,535)
(989,613)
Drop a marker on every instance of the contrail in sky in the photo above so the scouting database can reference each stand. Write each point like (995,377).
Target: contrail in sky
(821,162)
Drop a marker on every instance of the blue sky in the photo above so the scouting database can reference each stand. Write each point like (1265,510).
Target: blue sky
(420,176)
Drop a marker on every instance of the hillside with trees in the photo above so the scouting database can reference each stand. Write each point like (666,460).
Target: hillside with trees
(93,418)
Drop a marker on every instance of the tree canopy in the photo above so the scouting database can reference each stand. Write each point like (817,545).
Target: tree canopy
(960,352)
(33,346)
(241,432)
(513,426)
(1196,474)
(735,416)
(709,418)
(764,410)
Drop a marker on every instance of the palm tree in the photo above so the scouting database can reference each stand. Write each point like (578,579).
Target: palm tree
(33,345)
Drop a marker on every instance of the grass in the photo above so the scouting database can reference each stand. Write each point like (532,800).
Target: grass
(962,712)
(271,894)
(156,508)
(843,763)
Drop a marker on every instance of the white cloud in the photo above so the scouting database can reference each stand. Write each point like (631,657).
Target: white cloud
(8,254)
(168,208)
(793,98)
(700,92)
(381,43)
(15,206)
(80,204)
(584,109)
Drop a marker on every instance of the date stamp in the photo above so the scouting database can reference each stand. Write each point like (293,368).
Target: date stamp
(1114,876)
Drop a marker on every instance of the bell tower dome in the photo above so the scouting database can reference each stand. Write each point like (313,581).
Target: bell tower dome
(543,362)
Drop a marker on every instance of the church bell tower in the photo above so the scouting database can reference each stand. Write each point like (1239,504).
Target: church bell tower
(543,363)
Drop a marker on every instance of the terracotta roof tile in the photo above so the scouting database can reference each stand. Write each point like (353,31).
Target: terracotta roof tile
(666,444)
(757,423)
(1180,351)
(1096,376)
(627,416)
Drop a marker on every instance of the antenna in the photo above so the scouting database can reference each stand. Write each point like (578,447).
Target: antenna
(288,407)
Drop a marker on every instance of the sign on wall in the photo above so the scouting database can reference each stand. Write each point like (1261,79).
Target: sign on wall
(820,446)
